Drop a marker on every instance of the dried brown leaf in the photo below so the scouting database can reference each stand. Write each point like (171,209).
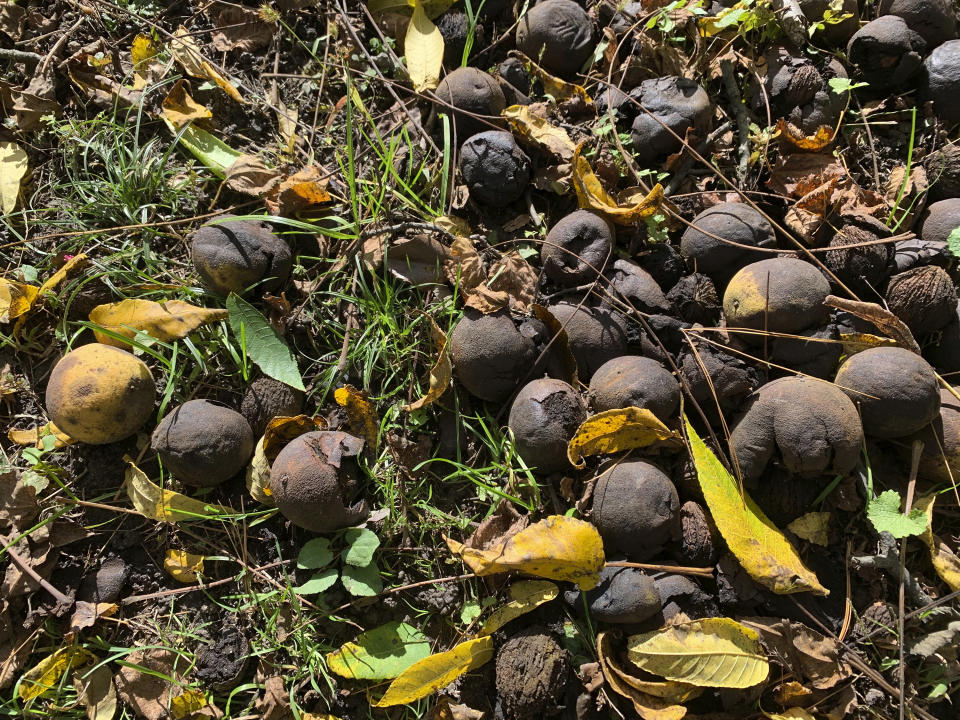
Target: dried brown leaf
(888,323)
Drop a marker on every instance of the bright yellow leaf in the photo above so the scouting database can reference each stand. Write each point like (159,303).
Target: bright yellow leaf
(187,703)
(183,566)
(762,550)
(186,52)
(558,547)
(13,168)
(74,263)
(440,373)
(46,674)
(614,431)
(630,207)
(258,476)
(527,124)
(167,321)
(554,87)
(798,139)
(437,671)
(16,299)
(281,430)
(712,652)
(525,596)
(34,436)
(362,414)
(143,51)
(944,559)
(157,503)
(812,527)
(180,108)
(423,48)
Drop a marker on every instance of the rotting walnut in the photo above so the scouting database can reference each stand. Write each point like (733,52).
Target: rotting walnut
(490,354)
(543,418)
(924,298)
(265,399)
(232,256)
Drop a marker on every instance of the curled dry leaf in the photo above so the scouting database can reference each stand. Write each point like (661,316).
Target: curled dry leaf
(148,681)
(258,476)
(795,137)
(814,659)
(95,689)
(558,548)
(302,191)
(167,321)
(239,28)
(855,342)
(558,89)
(945,560)
(532,126)
(363,416)
(37,100)
(888,323)
(183,566)
(812,527)
(423,47)
(157,503)
(46,674)
(86,614)
(512,284)
(629,207)
(87,69)
(180,108)
(16,299)
(525,596)
(616,430)
(13,168)
(249,175)
(440,373)
(762,550)
(186,52)
(281,430)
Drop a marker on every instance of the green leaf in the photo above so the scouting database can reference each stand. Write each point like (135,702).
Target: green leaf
(362,581)
(319,583)
(315,554)
(470,611)
(380,654)
(953,242)
(841,85)
(207,148)
(362,543)
(884,512)
(264,345)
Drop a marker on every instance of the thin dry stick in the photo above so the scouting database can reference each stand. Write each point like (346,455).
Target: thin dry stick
(678,569)
(25,567)
(402,588)
(194,588)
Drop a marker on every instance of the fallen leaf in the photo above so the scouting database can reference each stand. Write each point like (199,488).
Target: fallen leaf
(180,108)
(281,430)
(258,476)
(239,28)
(797,174)
(855,342)
(712,652)
(249,175)
(630,206)
(36,101)
(536,129)
(275,703)
(167,321)
(432,8)
(16,299)
(525,596)
(812,527)
(440,373)
(148,679)
(437,671)
(156,503)
(553,86)
(95,690)
(215,154)
(945,560)
(143,53)
(498,527)
(446,710)
(187,703)
(88,68)
(186,52)
(884,514)
(886,321)
(46,674)
(512,284)
(183,566)
(264,345)
(423,48)
(761,549)
(614,431)
(800,140)
(14,164)
(86,614)
(791,714)
(814,659)
(303,190)
(76,262)
(380,654)
(363,416)
(464,268)
(558,548)
(36,437)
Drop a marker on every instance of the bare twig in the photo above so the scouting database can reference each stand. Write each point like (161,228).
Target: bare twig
(678,569)
(20,56)
(35,576)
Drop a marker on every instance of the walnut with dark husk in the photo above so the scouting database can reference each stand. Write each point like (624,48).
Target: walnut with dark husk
(862,269)
(934,20)
(471,92)
(531,675)
(634,381)
(494,168)
(941,82)
(623,596)
(798,90)
(703,242)
(940,461)
(490,354)
(265,399)
(315,481)
(940,219)
(695,298)
(699,540)
(454,26)
(596,334)
(203,443)
(887,52)
(234,255)
(730,378)
(924,298)
(809,426)
(835,33)
(943,172)
(664,263)
(943,349)
(680,594)
(557,35)
(674,102)
(897,390)
(635,509)
(781,295)
(817,356)
(634,285)
(543,418)
(577,248)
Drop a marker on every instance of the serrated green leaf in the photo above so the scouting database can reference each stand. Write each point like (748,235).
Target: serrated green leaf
(884,512)
(953,242)
(362,581)
(380,654)
(319,583)
(264,345)
(361,544)
(315,554)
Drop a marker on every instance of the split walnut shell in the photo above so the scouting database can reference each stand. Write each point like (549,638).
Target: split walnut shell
(544,417)
(924,298)
(232,256)
(863,269)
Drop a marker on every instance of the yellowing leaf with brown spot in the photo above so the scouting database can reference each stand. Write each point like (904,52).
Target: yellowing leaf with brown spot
(712,652)
(35,436)
(630,207)
(157,503)
(13,168)
(46,674)
(536,129)
(558,548)
(183,566)
(167,321)
(180,108)
(186,52)
(614,431)
(440,373)
(762,550)
(142,55)
(855,342)
(945,560)
(423,48)
(812,527)
(281,430)
(362,414)
(437,671)
(16,299)
(525,596)
(258,476)
(798,139)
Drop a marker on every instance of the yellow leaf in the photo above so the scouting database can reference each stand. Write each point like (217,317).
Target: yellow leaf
(13,168)
(433,8)
(525,596)
(183,566)
(157,503)
(453,225)
(16,299)
(46,674)
(362,414)
(558,547)
(74,263)
(613,431)
(34,436)
(423,48)
(187,703)
(301,191)
(186,52)
(812,527)
(944,559)
(525,123)
(180,108)
(258,476)
(281,430)
(712,652)
(796,137)
(287,126)
(142,53)
(855,342)
(96,690)
(437,671)
(167,321)
(791,714)
(761,549)
(440,373)
(632,205)
(553,86)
